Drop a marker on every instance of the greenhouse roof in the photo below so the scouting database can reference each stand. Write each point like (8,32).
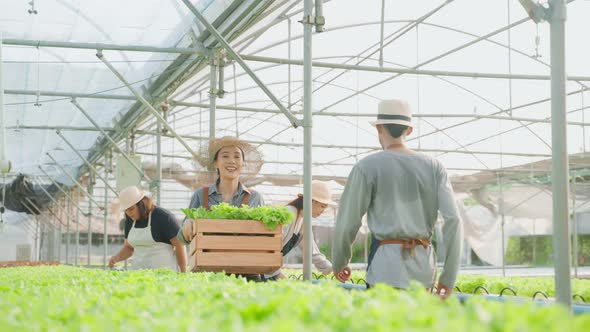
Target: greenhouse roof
(476,74)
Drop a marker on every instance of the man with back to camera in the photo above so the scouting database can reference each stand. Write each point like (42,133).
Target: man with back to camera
(401,191)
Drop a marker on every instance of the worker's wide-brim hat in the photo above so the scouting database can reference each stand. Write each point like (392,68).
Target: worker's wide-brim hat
(321,192)
(252,157)
(393,111)
(130,196)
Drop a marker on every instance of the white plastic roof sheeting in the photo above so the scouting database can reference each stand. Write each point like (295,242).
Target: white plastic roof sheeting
(417,35)
(148,23)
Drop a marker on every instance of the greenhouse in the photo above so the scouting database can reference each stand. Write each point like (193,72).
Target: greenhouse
(176,116)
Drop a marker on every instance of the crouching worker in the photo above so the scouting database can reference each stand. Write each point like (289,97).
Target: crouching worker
(150,234)
(321,196)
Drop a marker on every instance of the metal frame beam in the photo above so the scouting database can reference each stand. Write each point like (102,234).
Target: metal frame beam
(199,49)
(73,180)
(131,162)
(327,146)
(408,71)
(60,188)
(294,121)
(145,103)
(61,223)
(88,164)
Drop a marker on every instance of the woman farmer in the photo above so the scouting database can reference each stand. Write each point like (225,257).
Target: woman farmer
(150,234)
(321,197)
(230,158)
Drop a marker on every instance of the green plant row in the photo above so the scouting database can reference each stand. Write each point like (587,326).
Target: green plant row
(270,216)
(62,298)
(522,286)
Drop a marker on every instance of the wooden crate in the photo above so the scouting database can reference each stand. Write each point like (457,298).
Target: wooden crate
(236,246)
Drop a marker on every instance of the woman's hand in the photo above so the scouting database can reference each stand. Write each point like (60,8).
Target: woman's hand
(113,260)
(189,230)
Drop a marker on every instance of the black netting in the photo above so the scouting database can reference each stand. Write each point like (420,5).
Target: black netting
(24,196)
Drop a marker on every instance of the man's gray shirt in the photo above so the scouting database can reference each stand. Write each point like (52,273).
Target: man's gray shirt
(401,194)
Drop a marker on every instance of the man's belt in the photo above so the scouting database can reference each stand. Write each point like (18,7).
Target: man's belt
(407,244)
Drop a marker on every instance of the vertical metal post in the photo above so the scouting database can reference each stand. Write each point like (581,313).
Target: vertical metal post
(220,76)
(36,254)
(575,227)
(559,165)
(382,33)
(69,219)
(105,238)
(319,15)
(212,97)
(288,65)
(77,249)
(89,236)
(307,134)
(503,221)
(158,179)
(59,234)
(534,244)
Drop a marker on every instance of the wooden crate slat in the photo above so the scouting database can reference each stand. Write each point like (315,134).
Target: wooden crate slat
(250,259)
(235,269)
(234,226)
(238,242)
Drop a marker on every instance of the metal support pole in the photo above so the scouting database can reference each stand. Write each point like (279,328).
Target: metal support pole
(59,232)
(145,103)
(294,121)
(137,168)
(105,238)
(534,244)
(307,136)
(288,66)
(212,98)
(158,180)
(575,227)
(502,215)
(319,16)
(71,178)
(382,33)
(76,251)
(559,165)
(199,49)
(221,77)
(37,246)
(68,205)
(89,237)
(90,166)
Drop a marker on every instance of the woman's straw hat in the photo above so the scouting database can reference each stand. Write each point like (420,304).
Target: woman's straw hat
(321,192)
(252,157)
(130,196)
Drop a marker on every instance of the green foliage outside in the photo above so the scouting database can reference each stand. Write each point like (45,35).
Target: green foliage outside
(538,250)
(358,251)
